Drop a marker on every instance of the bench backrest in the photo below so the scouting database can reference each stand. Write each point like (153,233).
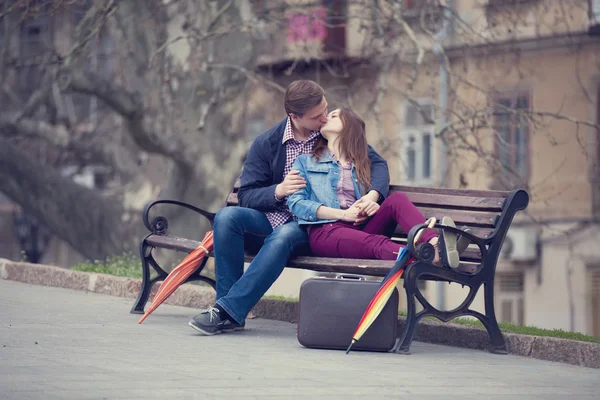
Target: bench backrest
(483,211)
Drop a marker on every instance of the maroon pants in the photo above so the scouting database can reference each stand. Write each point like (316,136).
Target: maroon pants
(342,239)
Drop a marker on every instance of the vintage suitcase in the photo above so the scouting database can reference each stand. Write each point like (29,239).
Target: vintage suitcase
(331,308)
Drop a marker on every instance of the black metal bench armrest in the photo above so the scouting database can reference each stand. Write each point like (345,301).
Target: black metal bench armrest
(480,242)
(159,224)
(517,201)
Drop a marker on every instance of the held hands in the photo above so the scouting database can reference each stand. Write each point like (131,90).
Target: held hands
(290,185)
(351,214)
(367,206)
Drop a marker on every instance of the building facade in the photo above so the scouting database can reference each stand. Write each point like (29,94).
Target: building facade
(510,100)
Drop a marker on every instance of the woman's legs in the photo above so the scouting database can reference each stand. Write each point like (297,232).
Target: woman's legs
(398,209)
(341,239)
(344,240)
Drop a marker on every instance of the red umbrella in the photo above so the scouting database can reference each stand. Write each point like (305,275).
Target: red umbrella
(180,273)
(386,289)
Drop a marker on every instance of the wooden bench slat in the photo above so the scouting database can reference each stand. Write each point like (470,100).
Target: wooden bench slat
(452,192)
(351,265)
(461,217)
(480,232)
(172,242)
(481,224)
(232,199)
(320,264)
(456,202)
(429,190)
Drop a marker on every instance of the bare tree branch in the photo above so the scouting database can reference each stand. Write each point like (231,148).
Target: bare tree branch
(57,135)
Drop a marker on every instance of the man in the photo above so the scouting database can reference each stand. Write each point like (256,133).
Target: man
(263,221)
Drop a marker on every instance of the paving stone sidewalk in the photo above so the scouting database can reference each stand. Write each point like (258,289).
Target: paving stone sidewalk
(63,344)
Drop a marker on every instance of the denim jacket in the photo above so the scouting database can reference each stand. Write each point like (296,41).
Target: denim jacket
(322,178)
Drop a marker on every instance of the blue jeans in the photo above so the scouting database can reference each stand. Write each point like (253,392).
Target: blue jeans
(237,229)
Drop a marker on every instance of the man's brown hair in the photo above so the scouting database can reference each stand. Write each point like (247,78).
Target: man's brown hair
(301,96)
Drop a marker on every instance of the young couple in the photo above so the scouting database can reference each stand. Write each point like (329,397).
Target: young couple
(310,183)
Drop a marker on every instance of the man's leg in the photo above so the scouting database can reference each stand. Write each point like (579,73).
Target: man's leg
(233,226)
(266,267)
(251,285)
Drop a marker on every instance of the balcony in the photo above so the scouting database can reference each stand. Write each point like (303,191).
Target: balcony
(304,34)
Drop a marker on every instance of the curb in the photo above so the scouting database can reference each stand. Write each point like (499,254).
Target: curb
(431,331)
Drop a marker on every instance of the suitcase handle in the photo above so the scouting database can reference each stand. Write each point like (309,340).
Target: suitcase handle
(350,276)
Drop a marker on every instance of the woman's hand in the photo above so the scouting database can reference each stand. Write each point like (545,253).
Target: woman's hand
(351,214)
(368,206)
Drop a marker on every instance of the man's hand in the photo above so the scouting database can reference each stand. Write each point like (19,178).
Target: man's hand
(290,185)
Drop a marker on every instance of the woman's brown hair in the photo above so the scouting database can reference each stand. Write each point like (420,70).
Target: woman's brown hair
(353,145)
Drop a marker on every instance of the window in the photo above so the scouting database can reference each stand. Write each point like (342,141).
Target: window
(418,137)
(79,9)
(412,10)
(325,22)
(35,36)
(336,26)
(595,11)
(500,3)
(101,61)
(509,298)
(4,14)
(511,133)
(35,41)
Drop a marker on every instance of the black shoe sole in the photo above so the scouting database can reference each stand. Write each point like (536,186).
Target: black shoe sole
(206,333)
(202,331)
(448,241)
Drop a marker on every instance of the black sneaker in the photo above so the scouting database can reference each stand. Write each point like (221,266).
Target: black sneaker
(209,323)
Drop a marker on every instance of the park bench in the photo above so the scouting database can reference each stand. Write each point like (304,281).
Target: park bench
(488,214)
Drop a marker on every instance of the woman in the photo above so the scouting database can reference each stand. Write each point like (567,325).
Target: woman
(337,175)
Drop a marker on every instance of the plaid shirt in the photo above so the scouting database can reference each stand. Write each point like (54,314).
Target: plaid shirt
(293,148)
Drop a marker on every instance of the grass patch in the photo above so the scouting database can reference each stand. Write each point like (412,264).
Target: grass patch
(532,330)
(127,265)
(507,327)
(281,298)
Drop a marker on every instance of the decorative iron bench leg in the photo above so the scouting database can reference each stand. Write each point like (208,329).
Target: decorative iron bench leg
(410,284)
(498,345)
(147,283)
(412,319)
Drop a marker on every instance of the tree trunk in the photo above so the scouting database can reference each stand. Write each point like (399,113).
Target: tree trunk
(90,223)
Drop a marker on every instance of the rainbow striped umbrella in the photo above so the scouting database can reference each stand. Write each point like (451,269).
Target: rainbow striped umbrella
(385,290)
